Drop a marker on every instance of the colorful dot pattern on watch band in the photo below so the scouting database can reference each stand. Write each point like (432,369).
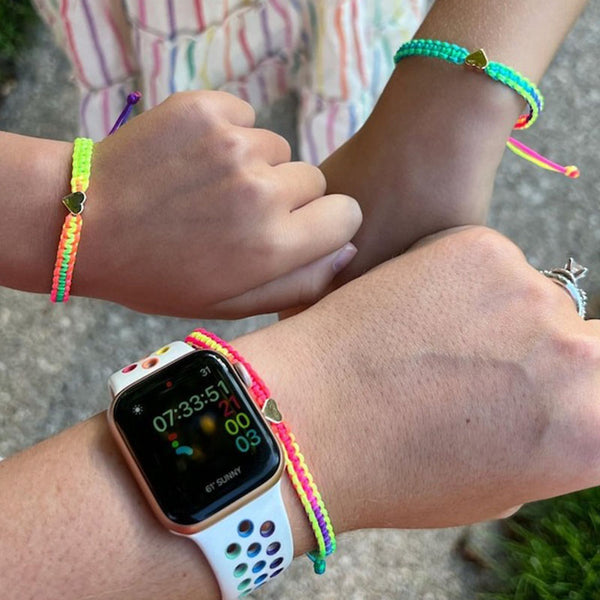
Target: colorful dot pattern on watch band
(296,467)
(503,74)
(71,229)
(250,546)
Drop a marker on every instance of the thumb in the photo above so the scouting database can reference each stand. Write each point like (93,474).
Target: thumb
(305,285)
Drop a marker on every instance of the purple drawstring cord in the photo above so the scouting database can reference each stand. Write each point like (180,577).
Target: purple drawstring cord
(132,99)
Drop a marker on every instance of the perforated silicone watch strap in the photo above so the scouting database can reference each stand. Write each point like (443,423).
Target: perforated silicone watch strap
(250,546)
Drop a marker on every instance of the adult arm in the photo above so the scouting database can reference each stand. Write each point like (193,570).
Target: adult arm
(465,408)
(426,158)
(191,212)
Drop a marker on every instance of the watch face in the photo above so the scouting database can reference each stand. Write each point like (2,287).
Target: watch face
(197,437)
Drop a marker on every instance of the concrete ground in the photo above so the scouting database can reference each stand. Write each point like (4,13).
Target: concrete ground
(54,360)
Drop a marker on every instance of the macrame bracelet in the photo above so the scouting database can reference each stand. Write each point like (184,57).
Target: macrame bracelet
(296,467)
(75,203)
(71,229)
(501,73)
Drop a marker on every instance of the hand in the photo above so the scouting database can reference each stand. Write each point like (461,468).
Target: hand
(192,212)
(466,385)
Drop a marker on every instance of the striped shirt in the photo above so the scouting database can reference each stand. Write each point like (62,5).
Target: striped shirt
(336,55)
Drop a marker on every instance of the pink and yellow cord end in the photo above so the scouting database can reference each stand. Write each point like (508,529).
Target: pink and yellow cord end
(527,153)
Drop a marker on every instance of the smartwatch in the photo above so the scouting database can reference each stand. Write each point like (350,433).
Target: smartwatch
(206,459)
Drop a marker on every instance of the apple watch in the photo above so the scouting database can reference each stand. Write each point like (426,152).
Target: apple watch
(206,459)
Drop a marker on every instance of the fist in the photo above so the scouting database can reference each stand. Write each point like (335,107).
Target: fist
(193,212)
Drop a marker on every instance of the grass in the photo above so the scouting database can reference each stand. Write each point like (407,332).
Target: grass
(552,551)
(15,18)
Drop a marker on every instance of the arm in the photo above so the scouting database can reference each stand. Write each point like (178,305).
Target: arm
(188,190)
(427,156)
(460,424)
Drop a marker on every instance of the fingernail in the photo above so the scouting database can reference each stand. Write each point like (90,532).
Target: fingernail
(343,257)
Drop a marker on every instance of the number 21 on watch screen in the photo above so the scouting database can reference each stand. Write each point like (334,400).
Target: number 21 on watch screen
(237,422)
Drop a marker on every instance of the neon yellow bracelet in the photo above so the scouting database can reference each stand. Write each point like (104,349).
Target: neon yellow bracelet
(71,229)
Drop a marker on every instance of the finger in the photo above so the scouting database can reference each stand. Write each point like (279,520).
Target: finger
(213,103)
(303,286)
(318,228)
(234,109)
(297,183)
(593,326)
(572,299)
(269,146)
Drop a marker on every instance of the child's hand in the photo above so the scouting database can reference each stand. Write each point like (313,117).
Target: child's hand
(192,212)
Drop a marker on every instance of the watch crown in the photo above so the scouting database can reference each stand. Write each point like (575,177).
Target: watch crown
(271,412)
(243,373)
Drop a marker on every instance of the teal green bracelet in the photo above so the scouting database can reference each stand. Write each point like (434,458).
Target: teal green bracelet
(461,56)
(499,72)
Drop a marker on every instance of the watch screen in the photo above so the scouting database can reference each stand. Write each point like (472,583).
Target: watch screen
(197,436)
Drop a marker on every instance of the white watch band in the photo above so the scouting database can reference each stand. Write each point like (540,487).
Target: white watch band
(250,546)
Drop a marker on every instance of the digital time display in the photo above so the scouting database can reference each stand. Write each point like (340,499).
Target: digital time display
(197,436)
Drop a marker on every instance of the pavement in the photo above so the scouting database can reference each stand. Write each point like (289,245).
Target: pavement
(54,360)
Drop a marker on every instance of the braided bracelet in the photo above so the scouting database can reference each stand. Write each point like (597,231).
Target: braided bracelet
(74,202)
(499,72)
(71,229)
(296,467)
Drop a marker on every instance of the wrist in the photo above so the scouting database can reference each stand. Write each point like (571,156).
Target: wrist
(445,123)
(301,382)
(445,129)
(36,173)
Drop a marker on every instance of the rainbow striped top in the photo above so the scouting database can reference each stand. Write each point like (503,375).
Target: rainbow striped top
(336,55)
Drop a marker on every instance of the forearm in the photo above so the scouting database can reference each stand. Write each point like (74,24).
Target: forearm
(524,35)
(74,524)
(35,175)
(427,156)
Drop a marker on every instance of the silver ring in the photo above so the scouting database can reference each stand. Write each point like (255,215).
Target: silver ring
(567,277)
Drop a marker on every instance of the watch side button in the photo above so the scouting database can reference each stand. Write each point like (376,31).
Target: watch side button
(243,373)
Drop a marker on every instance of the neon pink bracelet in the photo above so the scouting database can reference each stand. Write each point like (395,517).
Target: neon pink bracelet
(296,467)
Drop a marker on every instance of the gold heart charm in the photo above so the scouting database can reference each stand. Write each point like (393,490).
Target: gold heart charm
(271,412)
(75,202)
(477,59)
